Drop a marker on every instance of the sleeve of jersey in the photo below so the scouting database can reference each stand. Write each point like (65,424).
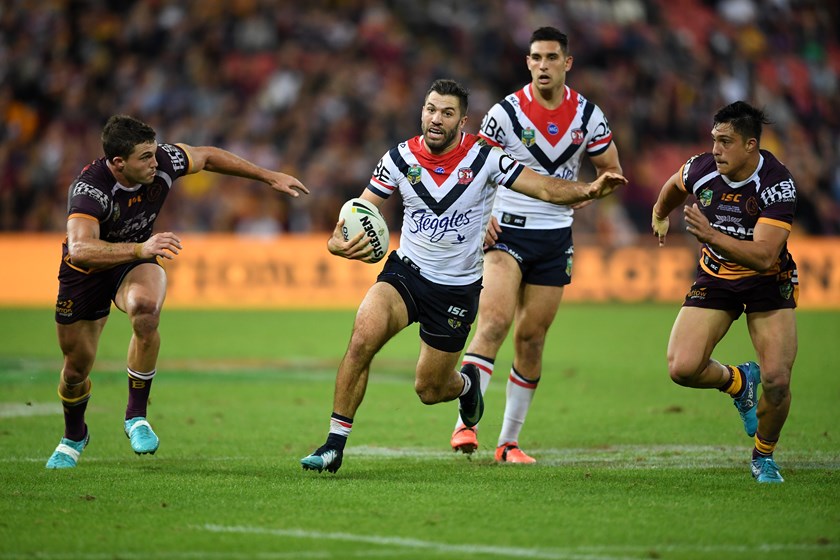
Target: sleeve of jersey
(173,160)
(778,205)
(601,135)
(86,201)
(382,182)
(504,169)
(695,169)
(493,126)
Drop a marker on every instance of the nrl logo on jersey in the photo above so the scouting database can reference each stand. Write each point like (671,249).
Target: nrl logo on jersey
(528,137)
(705,197)
(414,174)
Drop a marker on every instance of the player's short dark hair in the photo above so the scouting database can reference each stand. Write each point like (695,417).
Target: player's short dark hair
(550,34)
(122,133)
(745,119)
(451,87)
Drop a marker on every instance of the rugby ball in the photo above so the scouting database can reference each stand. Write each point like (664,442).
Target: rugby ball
(360,215)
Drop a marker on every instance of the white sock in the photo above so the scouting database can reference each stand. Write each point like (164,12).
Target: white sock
(520,393)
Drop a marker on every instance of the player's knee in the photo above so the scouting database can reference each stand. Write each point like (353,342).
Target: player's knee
(530,343)
(428,393)
(775,388)
(145,315)
(360,350)
(682,372)
(494,330)
(73,376)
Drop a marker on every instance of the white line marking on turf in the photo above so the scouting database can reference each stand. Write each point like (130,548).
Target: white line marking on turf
(18,410)
(629,457)
(414,544)
(572,553)
(622,456)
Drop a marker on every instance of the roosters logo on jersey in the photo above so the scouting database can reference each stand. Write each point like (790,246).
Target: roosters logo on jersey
(426,223)
(465,176)
(414,174)
(528,137)
(577,137)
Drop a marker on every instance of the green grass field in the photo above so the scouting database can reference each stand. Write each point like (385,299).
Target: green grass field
(630,465)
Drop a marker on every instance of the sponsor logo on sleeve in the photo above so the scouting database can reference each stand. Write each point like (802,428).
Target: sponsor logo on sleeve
(176,156)
(780,192)
(381,172)
(83,189)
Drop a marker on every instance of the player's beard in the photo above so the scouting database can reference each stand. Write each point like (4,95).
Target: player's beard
(437,146)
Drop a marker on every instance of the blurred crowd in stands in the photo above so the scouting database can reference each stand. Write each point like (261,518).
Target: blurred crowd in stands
(321,89)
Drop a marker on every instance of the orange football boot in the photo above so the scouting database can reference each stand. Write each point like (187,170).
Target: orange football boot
(510,453)
(464,440)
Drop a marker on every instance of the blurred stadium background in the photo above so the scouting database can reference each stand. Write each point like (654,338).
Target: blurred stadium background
(322,88)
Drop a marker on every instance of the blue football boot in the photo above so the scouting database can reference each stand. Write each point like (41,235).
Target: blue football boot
(143,438)
(67,454)
(747,401)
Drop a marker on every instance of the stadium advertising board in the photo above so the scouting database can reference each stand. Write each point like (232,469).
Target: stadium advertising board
(297,271)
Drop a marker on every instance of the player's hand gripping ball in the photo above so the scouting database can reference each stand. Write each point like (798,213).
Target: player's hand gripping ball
(361,215)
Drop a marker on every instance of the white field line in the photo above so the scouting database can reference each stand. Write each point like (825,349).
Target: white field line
(628,457)
(20,410)
(413,544)
(624,456)
(614,552)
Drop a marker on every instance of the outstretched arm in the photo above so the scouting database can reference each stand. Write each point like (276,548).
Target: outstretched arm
(561,191)
(603,163)
(211,158)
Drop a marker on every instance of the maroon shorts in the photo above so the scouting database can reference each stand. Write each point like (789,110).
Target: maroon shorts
(745,295)
(87,296)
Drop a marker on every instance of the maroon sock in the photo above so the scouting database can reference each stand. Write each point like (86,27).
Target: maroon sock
(74,420)
(139,387)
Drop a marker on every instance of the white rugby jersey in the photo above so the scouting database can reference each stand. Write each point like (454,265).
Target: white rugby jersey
(447,202)
(549,141)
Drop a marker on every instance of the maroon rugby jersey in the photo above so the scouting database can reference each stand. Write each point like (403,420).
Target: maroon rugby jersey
(768,196)
(126,214)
